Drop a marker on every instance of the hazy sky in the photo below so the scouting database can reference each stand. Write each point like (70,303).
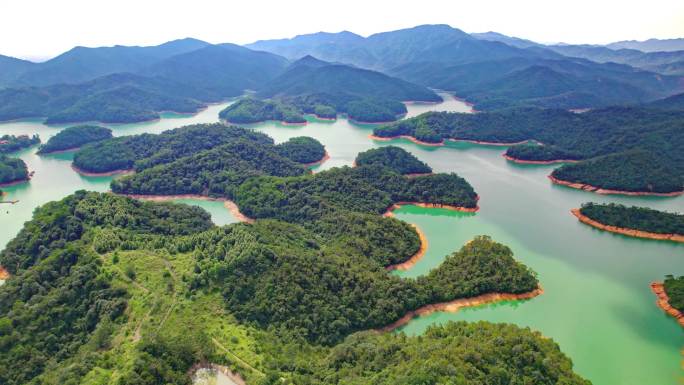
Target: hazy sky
(43,28)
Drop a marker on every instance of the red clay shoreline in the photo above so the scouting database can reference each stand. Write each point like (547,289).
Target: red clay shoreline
(443,142)
(228,204)
(409,263)
(523,161)
(663,302)
(626,231)
(4,274)
(108,173)
(598,190)
(455,305)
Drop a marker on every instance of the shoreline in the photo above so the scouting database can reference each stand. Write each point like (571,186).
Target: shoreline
(443,142)
(663,302)
(318,162)
(598,190)
(455,305)
(108,173)
(231,206)
(409,263)
(4,274)
(60,151)
(323,118)
(626,231)
(412,139)
(485,143)
(398,205)
(232,376)
(16,182)
(523,161)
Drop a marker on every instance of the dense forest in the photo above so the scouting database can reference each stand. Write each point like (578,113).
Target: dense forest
(74,137)
(674,288)
(125,292)
(12,170)
(625,148)
(251,110)
(637,218)
(13,143)
(137,151)
(395,158)
(302,149)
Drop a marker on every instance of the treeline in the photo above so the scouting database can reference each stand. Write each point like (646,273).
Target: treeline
(637,218)
(395,158)
(674,288)
(12,170)
(640,146)
(13,143)
(74,137)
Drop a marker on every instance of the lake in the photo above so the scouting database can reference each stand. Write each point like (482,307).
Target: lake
(597,302)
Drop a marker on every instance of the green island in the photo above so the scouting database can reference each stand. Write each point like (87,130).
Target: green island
(145,151)
(72,138)
(395,158)
(12,170)
(252,110)
(637,221)
(13,143)
(620,149)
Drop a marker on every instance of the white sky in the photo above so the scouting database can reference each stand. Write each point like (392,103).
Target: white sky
(44,28)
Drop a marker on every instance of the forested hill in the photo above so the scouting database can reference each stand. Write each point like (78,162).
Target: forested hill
(12,170)
(636,149)
(157,287)
(144,151)
(138,84)
(312,86)
(74,137)
(492,73)
(312,76)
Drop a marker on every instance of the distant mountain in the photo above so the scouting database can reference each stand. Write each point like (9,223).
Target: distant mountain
(182,83)
(383,51)
(82,64)
(667,63)
(650,45)
(674,102)
(224,69)
(117,98)
(512,41)
(312,76)
(11,67)
(560,83)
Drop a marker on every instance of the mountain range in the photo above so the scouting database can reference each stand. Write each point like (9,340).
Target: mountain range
(491,70)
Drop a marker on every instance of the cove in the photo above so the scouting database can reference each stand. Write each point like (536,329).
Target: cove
(597,303)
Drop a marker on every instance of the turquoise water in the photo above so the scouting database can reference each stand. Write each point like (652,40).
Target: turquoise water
(597,303)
